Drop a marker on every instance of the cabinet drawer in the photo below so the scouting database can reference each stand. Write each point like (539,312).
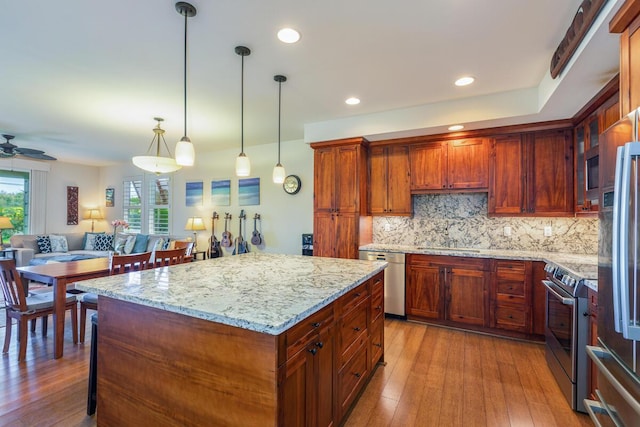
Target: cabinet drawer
(302,333)
(351,379)
(353,331)
(511,299)
(354,297)
(511,317)
(510,288)
(509,268)
(377,301)
(376,340)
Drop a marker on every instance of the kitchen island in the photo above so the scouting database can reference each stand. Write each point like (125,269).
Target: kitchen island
(254,339)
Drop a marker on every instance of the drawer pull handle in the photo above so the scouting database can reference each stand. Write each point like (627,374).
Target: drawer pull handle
(313,351)
(319,344)
(357,294)
(379,308)
(378,345)
(357,374)
(315,324)
(357,329)
(510,317)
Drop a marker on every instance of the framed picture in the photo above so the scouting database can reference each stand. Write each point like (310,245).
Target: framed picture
(72,205)
(221,192)
(249,191)
(109,195)
(194,193)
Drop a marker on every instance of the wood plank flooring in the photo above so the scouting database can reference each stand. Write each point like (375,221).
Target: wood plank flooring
(433,377)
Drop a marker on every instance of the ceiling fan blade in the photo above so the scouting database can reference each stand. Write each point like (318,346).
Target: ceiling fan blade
(28,151)
(39,156)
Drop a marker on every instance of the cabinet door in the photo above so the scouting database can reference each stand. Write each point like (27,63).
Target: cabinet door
(466,299)
(324,234)
(424,290)
(346,236)
(468,164)
(346,168)
(324,179)
(323,378)
(507,176)
(296,390)
(630,67)
(398,176)
(378,180)
(428,167)
(550,166)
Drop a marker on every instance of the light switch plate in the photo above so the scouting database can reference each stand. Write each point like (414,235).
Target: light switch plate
(507,231)
(547,231)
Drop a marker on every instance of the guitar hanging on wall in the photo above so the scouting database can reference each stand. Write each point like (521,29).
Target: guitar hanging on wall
(215,251)
(241,246)
(256,238)
(226,235)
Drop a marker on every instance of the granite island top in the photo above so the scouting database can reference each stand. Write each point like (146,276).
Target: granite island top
(585,266)
(266,293)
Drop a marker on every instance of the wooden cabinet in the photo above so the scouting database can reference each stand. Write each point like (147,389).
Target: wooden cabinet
(592,382)
(376,329)
(449,165)
(511,295)
(539,296)
(389,187)
(448,289)
(626,22)
(532,173)
(340,197)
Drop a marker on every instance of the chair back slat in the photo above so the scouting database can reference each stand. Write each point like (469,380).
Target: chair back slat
(12,288)
(125,263)
(170,257)
(187,246)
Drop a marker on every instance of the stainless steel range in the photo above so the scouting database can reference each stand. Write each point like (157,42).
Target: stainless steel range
(566,332)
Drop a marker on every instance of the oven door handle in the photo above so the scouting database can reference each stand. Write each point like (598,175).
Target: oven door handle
(549,285)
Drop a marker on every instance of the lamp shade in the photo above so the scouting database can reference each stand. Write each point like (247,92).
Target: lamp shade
(243,165)
(195,223)
(93,214)
(278,174)
(185,153)
(5,223)
(156,164)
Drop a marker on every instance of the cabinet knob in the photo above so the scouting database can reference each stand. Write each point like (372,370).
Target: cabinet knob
(313,351)
(444,186)
(357,329)
(378,345)
(379,308)
(357,294)
(315,324)
(510,317)
(357,374)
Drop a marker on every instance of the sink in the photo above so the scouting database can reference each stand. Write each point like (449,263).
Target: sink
(436,248)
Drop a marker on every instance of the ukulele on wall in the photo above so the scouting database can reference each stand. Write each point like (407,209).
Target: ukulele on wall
(215,251)
(256,238)
(226,235)
(241,246)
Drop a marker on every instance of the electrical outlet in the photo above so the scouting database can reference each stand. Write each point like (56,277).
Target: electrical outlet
(507,231)
(547,231)
(387,227)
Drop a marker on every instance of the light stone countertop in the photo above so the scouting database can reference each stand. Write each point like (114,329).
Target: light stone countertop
(585,266)
(266,293)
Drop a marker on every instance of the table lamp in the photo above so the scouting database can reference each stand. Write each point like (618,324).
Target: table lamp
(5,224)
(195,223)
(93,214)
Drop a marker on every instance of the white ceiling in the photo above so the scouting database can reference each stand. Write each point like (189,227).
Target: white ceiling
(83,80)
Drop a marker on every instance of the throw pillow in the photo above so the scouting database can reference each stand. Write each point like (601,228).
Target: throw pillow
(141,244)
(154,243)
(128,246)
(44,244)
(167,244)
(103,242)
(89,239)
(119,245)
(58,243)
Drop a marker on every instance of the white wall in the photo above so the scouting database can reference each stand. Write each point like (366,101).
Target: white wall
(284,217)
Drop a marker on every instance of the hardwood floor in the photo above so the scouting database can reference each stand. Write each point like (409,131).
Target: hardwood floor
(433,377)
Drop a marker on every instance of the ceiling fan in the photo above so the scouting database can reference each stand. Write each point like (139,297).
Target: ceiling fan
(7,149)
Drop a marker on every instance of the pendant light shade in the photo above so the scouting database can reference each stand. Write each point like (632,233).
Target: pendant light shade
(243,165)
(157,164)
(278,170)
(185,153)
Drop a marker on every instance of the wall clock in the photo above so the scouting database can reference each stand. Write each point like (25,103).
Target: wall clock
(292,184)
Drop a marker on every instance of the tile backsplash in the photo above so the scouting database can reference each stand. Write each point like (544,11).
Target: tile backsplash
(461,220)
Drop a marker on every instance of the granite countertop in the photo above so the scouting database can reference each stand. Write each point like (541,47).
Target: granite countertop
(585,266)
(266,293)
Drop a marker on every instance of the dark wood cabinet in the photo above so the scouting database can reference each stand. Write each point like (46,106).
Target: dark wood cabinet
(626,22)
(389,188)
(511,295)
(449,165)
(539,296)
(466,285)
(424,288)
(340,197)
(537,169)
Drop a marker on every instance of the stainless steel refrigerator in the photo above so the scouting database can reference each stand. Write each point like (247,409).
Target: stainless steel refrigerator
(617,355)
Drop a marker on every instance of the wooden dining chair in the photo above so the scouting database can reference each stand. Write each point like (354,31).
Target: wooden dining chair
(119,264)
(188,249)
(24,307)
(170,257)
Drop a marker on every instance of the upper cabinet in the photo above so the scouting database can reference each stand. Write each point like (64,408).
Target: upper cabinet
(389,192)
(531,174)
(627,23)
(449,165)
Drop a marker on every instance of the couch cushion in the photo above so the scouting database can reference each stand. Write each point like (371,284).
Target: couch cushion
(30,243)
(44,244)
(89,240)
(58,243)
(128,246)
(103,242)
(75,241)
(141,244)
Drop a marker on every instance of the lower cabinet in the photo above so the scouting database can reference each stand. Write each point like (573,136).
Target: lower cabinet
(592,382)
(511,295)
(331,355)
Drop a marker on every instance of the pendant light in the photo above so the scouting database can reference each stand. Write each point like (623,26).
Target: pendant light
(278,170)
(185,153)
(243,165)
(157,164)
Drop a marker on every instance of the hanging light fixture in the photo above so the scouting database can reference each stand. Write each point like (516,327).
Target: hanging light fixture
(157,164)
(278,170)
(243,165)
(185,153)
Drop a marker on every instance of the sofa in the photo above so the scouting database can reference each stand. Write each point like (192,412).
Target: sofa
(31,249)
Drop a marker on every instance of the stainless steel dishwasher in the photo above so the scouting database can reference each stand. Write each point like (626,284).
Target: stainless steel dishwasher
(393,280)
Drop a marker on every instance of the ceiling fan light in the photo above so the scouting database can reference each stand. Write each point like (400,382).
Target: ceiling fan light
(243,165)
(185,153)
(156,164)
(278,174)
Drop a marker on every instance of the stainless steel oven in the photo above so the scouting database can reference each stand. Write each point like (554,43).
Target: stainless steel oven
(566,333)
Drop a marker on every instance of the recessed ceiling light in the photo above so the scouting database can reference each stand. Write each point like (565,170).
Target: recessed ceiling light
(288,35)
(352,101)
(456,127)
(464,81)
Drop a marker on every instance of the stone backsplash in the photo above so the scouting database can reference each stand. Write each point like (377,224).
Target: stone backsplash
(461,220)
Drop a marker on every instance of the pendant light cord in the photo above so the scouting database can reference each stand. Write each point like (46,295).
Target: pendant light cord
(242,106)
(186,19)
(279,115)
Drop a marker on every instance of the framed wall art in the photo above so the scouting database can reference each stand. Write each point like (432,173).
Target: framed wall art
(249,191)
(194,193)
(221,192)
(109,197)
(72,205)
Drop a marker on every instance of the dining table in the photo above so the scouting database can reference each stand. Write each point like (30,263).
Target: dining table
(59,275)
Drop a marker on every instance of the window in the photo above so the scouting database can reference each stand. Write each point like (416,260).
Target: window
(154,205)
(14,201)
